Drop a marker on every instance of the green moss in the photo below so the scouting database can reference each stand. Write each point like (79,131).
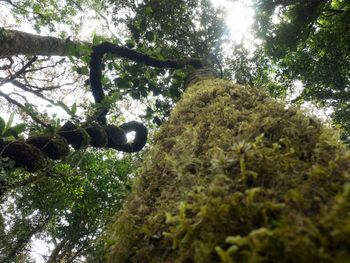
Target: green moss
(97,135)
(55,147)
(75,136)
(24,155)
(235,176)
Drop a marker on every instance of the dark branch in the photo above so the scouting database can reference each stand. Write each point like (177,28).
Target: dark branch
(96,60)
(138,57)
(140,137)
(21,71)
(339,11)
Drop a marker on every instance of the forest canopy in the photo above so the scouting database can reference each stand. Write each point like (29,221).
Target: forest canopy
(296,51)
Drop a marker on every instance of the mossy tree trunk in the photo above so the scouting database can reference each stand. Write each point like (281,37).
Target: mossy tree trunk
(13,42)
(235,176)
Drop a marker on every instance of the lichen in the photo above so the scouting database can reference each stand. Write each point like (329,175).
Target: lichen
(235,176)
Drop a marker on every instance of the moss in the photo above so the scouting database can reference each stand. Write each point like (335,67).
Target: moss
(116,136)
(98,136)
(75,136)
(235,176)
(55,147)
(24,155)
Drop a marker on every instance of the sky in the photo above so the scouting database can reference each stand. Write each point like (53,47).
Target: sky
(240,18)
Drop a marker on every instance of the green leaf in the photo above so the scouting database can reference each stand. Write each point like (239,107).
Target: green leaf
(148,10)
(10,132)
(123,83)
(2,125)
(150,36)
(147,74)
(98,39)
(143,91)
(19,128)
(83,70)
(130,43)
(72,50)
(63,106)
(85,58)
(14,131)
(135,95)
(9,121)
(179,73)
(74,108)
(155,89)
(143,25)
(174,92)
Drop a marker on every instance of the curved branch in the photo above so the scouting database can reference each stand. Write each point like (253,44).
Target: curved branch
(33,152)
(21,71)
(138,57)
(100,50)
(140,137)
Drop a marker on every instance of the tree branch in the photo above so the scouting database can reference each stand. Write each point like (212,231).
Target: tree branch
(19,72)
(96,60)
(22,107)
(25,88)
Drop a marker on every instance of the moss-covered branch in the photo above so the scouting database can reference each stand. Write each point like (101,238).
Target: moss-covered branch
(14,42)
(32,153)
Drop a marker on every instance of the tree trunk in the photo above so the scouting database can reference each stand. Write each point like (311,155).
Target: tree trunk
(13,42)
(235,176)
(56,251)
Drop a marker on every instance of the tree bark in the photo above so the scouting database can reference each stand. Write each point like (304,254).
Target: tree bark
(235,176)
(13,42)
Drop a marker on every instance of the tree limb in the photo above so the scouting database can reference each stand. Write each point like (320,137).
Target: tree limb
(96,60)
(19,72)
(22,107)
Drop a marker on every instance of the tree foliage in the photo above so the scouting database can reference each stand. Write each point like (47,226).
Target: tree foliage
(167,30)
(68,206)
(54,204)
(309,41)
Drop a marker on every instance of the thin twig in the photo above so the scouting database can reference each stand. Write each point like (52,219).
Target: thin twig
(22,107)
(21,71)
(25,88)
